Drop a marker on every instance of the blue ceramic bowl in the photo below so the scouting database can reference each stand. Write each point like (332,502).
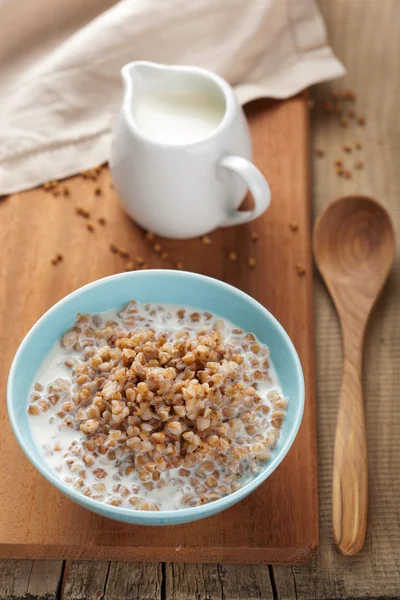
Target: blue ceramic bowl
(164,287)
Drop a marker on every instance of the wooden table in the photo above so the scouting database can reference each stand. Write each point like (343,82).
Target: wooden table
(364,34)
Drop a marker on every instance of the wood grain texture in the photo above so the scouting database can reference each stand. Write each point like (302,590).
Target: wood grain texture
(276,523)
(98,580)
(354,247)
(138,581)
(217,581)
(359,32)
(23,579)
(85,580)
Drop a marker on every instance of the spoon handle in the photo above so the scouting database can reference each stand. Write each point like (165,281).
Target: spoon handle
(350,469)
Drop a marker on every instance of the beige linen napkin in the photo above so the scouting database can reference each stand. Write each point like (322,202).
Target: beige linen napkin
(60,67)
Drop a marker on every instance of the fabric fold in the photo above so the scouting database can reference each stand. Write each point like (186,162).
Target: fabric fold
(60,68)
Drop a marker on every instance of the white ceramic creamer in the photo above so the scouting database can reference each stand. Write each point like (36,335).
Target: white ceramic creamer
(181,152)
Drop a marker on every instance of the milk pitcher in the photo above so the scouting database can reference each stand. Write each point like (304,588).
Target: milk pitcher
(181,152)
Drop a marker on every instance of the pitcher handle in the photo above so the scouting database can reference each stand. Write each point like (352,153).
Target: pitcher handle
(257,185)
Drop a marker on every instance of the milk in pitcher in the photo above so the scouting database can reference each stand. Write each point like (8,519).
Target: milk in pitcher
(178,118)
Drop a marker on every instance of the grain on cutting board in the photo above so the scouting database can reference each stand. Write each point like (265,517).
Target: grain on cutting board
(285,534)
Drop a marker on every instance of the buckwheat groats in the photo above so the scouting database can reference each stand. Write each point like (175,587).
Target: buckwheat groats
(156,407)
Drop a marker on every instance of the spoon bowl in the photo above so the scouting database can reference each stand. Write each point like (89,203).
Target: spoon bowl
(354,247)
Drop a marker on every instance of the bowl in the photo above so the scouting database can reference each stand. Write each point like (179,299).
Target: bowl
(163,287)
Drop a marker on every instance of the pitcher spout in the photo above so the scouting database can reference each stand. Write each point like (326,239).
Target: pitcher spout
(137,75)
(189,103)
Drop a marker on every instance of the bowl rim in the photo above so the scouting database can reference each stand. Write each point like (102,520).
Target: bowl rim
(151,517)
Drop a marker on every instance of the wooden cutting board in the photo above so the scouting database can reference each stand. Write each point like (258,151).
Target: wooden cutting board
(279,521)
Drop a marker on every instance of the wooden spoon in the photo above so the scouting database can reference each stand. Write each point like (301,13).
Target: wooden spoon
(354,247)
